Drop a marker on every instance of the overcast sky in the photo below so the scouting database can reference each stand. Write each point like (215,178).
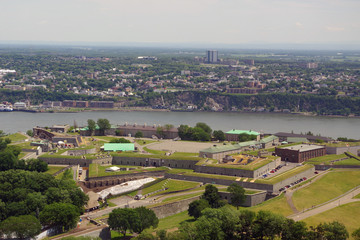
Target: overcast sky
(210,21)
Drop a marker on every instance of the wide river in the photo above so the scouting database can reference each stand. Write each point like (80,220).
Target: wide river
(12,122)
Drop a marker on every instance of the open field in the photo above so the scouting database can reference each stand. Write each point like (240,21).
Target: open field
(96,170)
(180,146)
(144,141)
(173,221)
(330,186)
(189,172)
(346,214)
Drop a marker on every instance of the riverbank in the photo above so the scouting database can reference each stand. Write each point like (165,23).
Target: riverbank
(149,109)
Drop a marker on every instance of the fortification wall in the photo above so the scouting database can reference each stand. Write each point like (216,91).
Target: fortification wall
(76,161)
(326,167)
(259,186)
(80,152)
(340,150)
(173,208)
(173,163)
(250,200)
(94,182)
(307,173)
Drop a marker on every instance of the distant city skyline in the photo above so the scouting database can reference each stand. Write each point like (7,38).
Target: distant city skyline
(229,22)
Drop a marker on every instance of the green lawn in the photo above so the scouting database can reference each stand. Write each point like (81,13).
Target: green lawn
(172,185)
(54,169)
(16,137)
(326,188)
(96,170)
(277,205)
(158,152)
(184,154)
(182,197)
(325,159)
(285,175)
(189,172)
(25,145)
(347,214)
(22,154)
(173,221)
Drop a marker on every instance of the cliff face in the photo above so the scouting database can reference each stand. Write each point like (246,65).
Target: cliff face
(262,102)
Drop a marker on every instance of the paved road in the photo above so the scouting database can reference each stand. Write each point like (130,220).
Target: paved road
(347,198)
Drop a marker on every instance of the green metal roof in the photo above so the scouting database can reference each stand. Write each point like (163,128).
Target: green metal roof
(114,147)
(230,147)
(268,139)
(237,132)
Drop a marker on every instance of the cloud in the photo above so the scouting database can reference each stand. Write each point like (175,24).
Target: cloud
(334,29)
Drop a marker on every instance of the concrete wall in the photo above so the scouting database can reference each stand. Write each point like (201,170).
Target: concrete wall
(186,164)
(250,200)
(340,150)
(173,208)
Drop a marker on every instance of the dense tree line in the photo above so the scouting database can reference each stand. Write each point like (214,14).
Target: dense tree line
(294,102)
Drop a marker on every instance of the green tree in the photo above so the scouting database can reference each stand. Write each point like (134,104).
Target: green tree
(160,132)
(196,207)
(147,218)
(204,127)
(219,135)
(64,215)
(139,134)
(356,234)
(211,195)
(237,194)
(91,126)
(331,231)
(35,164)
(103,124)
(30,133)
(294,230)
(267,225)
(123,219)
(25,226)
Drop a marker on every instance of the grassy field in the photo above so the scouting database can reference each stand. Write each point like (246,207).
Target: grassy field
(182,197)
(325,159)
(189,172)
(172,185)
(277,205)
(343,144)
(16,137)
(346,214)
(285,175)
(184,154)
(96,170)
(173,221)
(350,161)
(25,145)
(158,152)
(53,169)
(326,188)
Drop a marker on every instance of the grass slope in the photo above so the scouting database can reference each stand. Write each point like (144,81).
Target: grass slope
(277,205)
(326,188)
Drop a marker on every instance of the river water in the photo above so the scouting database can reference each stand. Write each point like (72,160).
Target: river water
(12,122)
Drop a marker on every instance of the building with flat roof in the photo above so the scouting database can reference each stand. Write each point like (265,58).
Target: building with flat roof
(212,56)
(300,153)
(220,151)
(233,135)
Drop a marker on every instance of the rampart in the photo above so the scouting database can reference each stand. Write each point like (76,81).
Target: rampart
(118,179)
(326,167)
(156,162)
(340,150)
(80,152)
(173,208)
(76,161)
(239,172)
(250,200)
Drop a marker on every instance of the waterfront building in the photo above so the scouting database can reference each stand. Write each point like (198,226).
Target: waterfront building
(233,135)
(300,153)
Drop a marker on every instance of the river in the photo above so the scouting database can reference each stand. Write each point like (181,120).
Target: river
(12,122)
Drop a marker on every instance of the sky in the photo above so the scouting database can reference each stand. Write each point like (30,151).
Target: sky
(181,21)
